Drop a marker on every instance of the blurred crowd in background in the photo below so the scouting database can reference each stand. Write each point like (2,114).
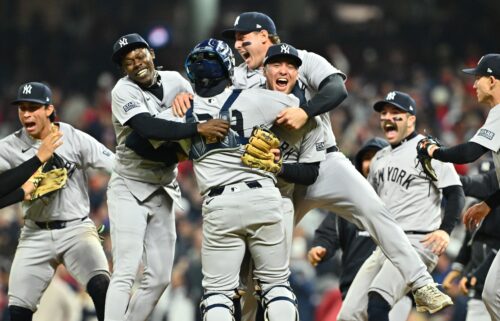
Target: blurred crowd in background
(417,46)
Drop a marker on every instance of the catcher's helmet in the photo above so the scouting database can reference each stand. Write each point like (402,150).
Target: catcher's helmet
(210,59)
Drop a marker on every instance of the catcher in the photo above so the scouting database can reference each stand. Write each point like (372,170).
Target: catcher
(57,229)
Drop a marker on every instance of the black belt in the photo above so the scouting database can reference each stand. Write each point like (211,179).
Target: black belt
(56,225)
(216,191)
(332,149)
(418,232)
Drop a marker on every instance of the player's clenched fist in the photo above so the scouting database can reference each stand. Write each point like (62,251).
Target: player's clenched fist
(316,255)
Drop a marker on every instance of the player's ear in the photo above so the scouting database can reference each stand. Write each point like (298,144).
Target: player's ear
(152,52)
(263,36)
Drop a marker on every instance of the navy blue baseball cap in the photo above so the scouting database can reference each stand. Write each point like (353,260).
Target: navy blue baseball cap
(34,92)
(398,99)
(280,51)
(488,65)
(250,21)
(126,44)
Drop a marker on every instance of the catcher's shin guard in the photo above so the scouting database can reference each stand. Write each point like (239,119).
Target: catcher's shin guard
(279,302)
(220,306)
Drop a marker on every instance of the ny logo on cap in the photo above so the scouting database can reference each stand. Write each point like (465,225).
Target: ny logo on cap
(27,89)
(285,49)
(237,20)
(122,42)
(390,96)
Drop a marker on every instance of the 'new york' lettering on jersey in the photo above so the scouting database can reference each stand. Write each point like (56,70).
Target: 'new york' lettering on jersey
(413,199)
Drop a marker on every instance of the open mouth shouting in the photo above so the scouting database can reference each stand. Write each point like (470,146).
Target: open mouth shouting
(281,84)
(390,129)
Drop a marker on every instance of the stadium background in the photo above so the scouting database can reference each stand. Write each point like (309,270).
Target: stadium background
(418,46)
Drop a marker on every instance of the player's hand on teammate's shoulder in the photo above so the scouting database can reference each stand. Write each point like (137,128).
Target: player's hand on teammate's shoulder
(181,104)
(316,255)
(292,118)
(436,241)
(214,128)
(49,145)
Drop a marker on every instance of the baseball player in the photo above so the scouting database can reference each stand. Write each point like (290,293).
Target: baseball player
(487,85)
(57,229)
(336,233)
(477,246)
(353,199)
(15,185)
(142,192)
(227,184)
(415,202)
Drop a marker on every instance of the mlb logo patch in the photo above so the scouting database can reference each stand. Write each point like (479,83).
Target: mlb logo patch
(320,146)
(488,134)
(130,105)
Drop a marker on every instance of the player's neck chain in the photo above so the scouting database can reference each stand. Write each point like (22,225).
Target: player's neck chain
(407,138)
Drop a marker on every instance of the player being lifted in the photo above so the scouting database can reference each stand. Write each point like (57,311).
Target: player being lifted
(339,187)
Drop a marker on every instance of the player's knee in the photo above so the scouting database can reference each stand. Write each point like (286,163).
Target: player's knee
(378,307)
(18,313)
(279,302)
(219,306)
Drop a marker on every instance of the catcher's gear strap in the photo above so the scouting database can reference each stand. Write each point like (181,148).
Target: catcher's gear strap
(200,146)
(460,154)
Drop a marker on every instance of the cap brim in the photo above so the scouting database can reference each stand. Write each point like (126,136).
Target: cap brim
(297,60)
(380,104)
(229,34)
(118,55)
(470,71)
(36,101)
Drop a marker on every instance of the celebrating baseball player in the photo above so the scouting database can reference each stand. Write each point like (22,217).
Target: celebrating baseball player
(15,185)
(57,229)
(478,247)
(415,201)
(242,207)
(142,192)
(487,85)
(356,201)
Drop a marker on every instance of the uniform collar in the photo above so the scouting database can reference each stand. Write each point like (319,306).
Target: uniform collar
(407,138)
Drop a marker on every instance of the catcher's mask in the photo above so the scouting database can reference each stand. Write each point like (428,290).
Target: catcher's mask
(211,59)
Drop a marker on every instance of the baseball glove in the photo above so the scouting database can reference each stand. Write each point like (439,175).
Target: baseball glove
(50,177)
(423,156)
(258,151)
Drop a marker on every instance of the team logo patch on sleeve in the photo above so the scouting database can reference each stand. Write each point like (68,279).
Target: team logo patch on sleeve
(130,105)
(488,134)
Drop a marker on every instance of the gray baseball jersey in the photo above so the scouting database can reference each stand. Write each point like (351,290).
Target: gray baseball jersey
(141,198)
(405,189)
(247,111)
(80,151)
(312,72)
(414,201)
(77,245)
(487,136)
